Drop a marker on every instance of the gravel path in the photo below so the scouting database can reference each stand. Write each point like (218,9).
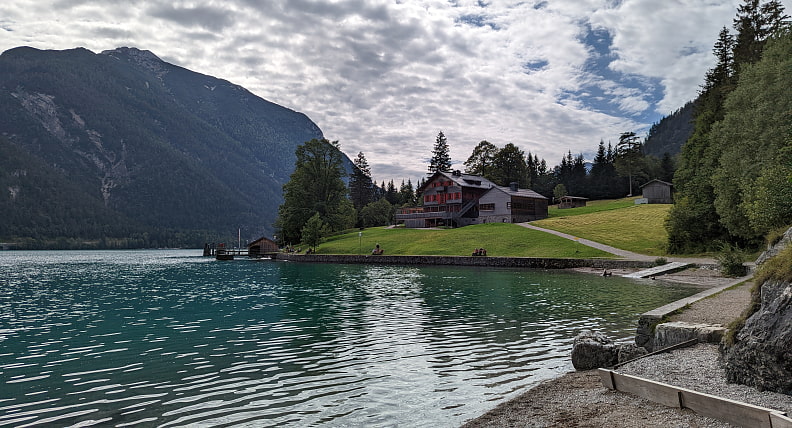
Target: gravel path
(578,399)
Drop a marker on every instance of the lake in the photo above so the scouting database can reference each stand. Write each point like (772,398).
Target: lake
(169,338)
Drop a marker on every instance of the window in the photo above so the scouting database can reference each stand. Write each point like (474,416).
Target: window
(487,207)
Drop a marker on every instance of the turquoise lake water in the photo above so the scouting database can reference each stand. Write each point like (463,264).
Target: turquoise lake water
(169,338)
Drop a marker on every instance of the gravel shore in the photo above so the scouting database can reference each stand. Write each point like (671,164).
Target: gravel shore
(578,399)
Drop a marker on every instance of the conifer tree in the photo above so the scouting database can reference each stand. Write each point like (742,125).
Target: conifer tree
(441,157)
(361,188)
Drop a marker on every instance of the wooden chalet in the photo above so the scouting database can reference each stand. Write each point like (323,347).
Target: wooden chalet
(657,192)
(571,202)
(455,199)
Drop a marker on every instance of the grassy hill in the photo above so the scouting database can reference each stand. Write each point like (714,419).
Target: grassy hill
(619,223)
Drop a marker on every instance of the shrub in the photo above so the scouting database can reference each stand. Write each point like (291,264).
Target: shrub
(730,260)
(660,261)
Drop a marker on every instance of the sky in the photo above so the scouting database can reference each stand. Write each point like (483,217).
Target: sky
(386,76)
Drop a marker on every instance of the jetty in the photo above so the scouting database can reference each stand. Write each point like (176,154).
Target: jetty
(659,270)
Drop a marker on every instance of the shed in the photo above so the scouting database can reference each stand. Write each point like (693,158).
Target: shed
(657,192)
(262,246)
(571,202)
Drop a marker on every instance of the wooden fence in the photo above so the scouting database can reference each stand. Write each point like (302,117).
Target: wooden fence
(730,411)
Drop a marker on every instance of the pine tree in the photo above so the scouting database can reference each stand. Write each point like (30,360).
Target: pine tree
(361,188)
(441,158)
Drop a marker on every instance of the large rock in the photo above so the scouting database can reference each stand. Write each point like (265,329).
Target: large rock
(592,350)
(762,353)
(630,351)
(673,333)
(774,249)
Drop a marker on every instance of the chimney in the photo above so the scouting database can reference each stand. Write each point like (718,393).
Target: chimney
(513,186)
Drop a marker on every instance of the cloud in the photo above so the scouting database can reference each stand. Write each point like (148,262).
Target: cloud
(385,77)
(206,17)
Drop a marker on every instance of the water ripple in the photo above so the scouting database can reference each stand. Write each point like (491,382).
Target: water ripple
(158,338)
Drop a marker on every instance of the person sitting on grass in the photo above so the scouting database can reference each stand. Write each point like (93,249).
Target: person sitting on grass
(377,250)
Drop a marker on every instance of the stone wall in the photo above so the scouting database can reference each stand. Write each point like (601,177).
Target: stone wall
(523,262)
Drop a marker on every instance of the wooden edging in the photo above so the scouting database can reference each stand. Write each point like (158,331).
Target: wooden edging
(729,411)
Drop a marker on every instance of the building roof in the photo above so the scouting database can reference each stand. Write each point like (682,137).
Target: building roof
(523,193)
(657,181)
(577,198)
(464,180)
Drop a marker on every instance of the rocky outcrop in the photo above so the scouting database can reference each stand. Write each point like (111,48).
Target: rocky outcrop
(761,355)
(674,333)
(592,350)
(773,250)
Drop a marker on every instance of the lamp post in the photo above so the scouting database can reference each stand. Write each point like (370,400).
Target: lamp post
(360,242)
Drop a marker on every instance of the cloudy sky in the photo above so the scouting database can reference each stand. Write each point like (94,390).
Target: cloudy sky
(385,76)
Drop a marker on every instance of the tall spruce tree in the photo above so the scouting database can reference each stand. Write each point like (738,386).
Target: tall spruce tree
(361,188)
(441,157)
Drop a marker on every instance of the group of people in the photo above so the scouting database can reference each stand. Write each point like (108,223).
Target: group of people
(479,252)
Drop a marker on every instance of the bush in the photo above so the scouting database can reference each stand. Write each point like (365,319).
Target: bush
(730,260)
(660,261)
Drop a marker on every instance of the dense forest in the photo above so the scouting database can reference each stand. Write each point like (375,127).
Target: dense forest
(734,181)
(123,150)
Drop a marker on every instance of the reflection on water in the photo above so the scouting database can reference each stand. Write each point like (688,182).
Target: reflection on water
(164,338)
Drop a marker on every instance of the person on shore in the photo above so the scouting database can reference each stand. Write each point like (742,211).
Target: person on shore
(377,251)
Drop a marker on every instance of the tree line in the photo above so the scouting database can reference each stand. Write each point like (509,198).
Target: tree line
(734,178)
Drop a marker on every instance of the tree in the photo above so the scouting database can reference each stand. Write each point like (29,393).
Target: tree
(441,158)
(406,194)
(361,188)
(315,187)
(313,231)
(379,213)
(508,166)
(559,191)
(481,160)
(628,155)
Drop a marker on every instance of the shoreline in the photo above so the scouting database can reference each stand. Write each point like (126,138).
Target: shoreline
(578,398)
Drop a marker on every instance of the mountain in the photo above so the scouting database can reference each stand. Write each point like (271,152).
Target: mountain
(668,135)
(125,147)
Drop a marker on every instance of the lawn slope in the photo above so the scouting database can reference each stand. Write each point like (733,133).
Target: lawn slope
(500,239)
(637,228)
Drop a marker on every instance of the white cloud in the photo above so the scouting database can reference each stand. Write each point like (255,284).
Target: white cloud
(384,77)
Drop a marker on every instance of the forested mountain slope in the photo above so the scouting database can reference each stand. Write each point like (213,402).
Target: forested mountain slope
(124,146)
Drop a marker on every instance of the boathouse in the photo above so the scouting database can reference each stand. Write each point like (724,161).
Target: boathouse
(455,199)
(262,246)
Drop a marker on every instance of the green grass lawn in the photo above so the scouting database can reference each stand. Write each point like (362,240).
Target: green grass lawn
(500,239)
(637,228)
(592,207)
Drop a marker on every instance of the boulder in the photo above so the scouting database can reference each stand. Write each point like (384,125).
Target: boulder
(592,350)
(673,333)
(629,351)
(762,352)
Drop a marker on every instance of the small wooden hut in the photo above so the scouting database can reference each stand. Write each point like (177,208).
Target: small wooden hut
(261,247)
(657,192)
(571,202)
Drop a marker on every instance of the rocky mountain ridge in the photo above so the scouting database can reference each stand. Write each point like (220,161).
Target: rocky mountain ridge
(144,147)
